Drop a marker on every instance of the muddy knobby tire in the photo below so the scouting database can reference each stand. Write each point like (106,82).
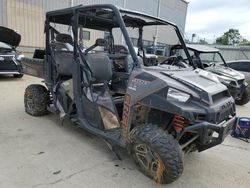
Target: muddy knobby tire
(164,146)
(36,100)
(244,99)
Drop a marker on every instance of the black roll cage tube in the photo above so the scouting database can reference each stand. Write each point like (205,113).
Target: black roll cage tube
(225,63)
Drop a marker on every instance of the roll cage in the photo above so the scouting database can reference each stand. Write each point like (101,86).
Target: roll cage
(105,17)
(200,49)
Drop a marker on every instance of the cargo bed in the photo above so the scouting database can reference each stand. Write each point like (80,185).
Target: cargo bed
(34,67)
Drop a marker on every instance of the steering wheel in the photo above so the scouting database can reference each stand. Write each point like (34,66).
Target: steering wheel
(177,60)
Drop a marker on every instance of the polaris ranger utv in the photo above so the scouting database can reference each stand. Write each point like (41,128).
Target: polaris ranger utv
(210,59)
(156,113)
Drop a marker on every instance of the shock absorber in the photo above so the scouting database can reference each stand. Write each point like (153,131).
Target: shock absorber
(178,123)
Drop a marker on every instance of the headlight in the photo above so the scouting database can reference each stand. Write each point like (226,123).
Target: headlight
(19,57)
(174,94)
(227,81)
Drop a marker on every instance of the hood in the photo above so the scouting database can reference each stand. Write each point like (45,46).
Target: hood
(226,71)
(9,36)
(197,79)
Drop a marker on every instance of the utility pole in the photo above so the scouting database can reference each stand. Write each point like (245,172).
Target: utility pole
(158,15)
(193,35)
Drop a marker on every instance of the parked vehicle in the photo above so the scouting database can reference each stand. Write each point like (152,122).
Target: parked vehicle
(150,59)
(9,57)
(157,113)
(210,59)
(243,66)
(160,51)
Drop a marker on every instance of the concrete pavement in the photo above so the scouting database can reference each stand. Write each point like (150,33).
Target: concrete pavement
(38,152)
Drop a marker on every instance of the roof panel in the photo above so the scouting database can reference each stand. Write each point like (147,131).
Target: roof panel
(201,48)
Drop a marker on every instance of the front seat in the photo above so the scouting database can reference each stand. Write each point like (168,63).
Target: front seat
(128,61)
(101,69)
(100,66)
(120,77)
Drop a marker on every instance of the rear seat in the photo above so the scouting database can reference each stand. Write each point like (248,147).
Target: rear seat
(63,61)
(63,57)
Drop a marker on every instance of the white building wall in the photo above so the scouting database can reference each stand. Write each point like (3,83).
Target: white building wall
(27,16)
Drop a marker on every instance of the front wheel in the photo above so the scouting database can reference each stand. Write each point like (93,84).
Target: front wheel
(244,99)
(36,100)
(157,153)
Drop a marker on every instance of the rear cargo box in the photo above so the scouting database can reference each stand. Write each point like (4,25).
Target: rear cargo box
(34,67)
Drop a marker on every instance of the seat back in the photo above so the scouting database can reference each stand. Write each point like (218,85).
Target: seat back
(128,60)
(121,49)
(64,38)
(62,55)
(63,61)
(100,66)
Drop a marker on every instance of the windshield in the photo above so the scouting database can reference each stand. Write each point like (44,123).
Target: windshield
(210,58)
(200,59)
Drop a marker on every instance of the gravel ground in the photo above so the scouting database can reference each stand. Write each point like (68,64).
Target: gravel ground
(40,152)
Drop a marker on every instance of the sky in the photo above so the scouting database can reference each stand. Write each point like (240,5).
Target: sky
(211,18)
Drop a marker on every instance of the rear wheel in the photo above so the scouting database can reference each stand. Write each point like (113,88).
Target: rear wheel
(157,153)
(18,75)
(244,99)
(36,100)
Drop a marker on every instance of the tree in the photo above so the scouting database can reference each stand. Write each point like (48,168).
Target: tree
(231,37)
(245,42)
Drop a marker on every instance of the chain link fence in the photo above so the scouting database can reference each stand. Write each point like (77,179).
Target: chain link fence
(234,52)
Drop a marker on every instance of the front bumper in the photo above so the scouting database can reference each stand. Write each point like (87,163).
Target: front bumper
(8,65)
(211,134)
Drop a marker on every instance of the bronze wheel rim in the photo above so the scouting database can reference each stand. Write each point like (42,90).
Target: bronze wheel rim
(147,158)
(29,101)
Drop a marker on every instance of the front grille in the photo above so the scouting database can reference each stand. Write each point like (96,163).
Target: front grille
(221,116)
(7,64)
(217,97)
(225,112)
(240,82)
